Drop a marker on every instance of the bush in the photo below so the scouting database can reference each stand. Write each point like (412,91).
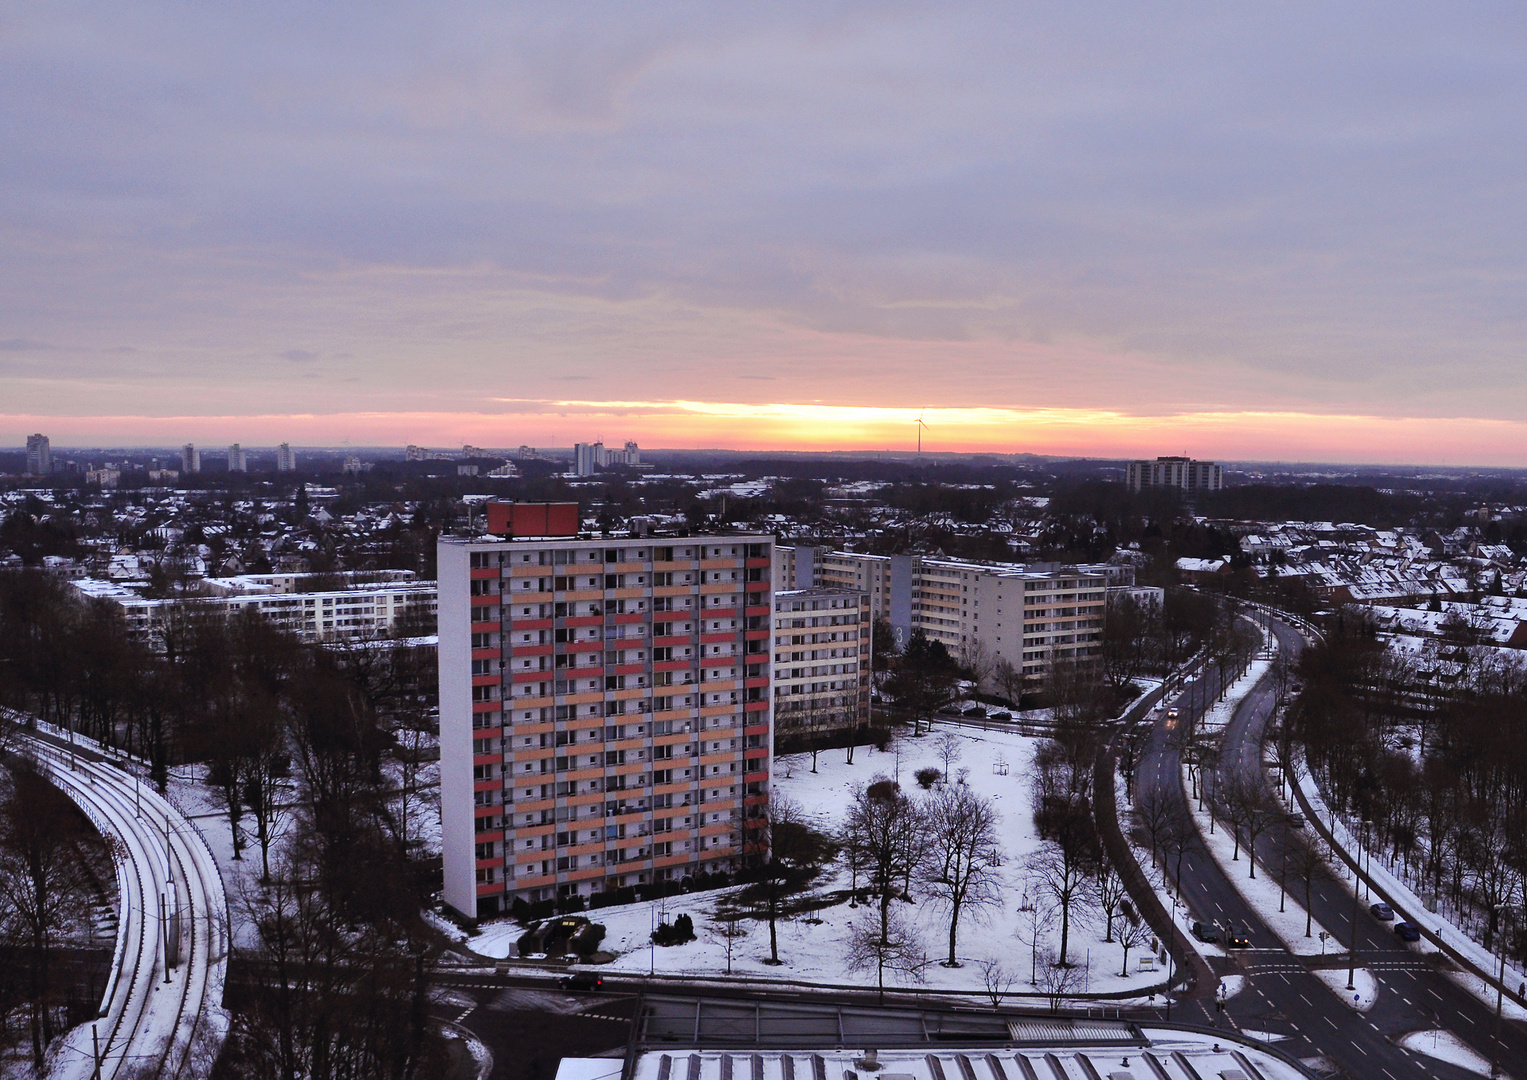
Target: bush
(681,930)
(883,789)
(926,778)
(611,897)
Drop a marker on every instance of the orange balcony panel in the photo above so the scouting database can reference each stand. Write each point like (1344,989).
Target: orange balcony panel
(484,627)
(486,706)
(677,859)
(484,573)
(490,888)
(495,784)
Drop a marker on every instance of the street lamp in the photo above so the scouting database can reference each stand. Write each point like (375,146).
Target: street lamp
(1503,923)
(1352,956)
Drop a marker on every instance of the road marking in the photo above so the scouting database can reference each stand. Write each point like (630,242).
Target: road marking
(1359,1049)
(1328,1020)
(1434,993)
(1307,1001)
(1467,1017)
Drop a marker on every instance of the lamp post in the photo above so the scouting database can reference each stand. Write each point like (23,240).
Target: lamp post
(1352,954)
(1500,987)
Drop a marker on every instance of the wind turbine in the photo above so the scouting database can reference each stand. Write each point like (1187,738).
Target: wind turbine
(920,426)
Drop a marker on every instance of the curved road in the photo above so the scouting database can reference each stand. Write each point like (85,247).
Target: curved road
(148,1026)
(1281,994)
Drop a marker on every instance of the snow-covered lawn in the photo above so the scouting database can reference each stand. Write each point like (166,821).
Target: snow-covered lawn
(1445,1046)
(1217,717)
(1261,892)
(814,946)
(1365,988)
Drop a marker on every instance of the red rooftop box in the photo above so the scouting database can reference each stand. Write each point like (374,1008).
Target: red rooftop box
(532,519)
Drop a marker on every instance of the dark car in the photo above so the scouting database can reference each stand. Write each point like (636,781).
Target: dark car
(1205,932)
(581,980)
(1407,931)
(1381,911)
(1238,941)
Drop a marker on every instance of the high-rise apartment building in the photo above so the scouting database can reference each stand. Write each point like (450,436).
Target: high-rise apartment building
(39,455)
(238,461)
(1177,472)
(286,460)
(605,713)
(821,663)
(190,459)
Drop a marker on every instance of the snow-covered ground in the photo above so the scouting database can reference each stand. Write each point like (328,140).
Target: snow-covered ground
(814,946)
(1365,987)
(1221,713)
(1445,1046)
(1261,892)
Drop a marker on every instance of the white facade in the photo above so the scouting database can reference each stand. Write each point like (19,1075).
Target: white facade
(238,461)
(286,459)
(821,661)
(1178,472)
(360,612)
(190,459)
(1027,617)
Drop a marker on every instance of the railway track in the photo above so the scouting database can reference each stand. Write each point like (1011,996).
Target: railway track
(154,1021)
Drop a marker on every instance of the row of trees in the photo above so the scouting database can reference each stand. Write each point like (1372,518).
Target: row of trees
(1436,767)
(321,747)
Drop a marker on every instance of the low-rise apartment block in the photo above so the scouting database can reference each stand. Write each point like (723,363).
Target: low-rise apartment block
(605,711)
(1026,616)
(822,640)
(391,603)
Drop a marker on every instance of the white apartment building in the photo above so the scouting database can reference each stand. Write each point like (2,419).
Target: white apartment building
(1177,472)
(605,713)
(286,459)
(361,611)
(822,658)
(238,460)
(1028,617)
(190,459)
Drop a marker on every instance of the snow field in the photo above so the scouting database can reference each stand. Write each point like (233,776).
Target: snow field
(1445,1046)
(813,946)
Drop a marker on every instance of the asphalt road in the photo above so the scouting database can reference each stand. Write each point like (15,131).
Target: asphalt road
(1281,993)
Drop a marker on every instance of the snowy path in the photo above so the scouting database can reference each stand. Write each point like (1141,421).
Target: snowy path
(149,1024)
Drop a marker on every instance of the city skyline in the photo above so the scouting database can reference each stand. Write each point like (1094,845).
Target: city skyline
(1243,234)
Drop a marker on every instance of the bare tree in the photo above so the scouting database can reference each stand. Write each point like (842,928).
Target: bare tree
(948,746)
(979,662)
(1248,806)
(1304,861)
(1110,892)
(726,927)
(997,981)
(1132,934)
(1153,813)
(1037,917)
(891,944)
(793,850)
(884,834)
(1058,980)
(1010,679)
(44,882)
(963,857)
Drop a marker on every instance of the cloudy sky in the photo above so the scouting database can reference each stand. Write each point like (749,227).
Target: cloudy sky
(1253,231)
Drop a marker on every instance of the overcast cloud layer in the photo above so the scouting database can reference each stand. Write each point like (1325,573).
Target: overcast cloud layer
(274,209)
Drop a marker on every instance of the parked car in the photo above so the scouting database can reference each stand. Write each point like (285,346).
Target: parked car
(585,981)
(1205,932)
(1407,931)
(1382,911)
(1238,941)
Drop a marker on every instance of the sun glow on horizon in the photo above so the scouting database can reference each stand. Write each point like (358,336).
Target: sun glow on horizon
(807,426)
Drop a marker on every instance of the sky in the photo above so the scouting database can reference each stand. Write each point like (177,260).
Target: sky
(1250,231)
